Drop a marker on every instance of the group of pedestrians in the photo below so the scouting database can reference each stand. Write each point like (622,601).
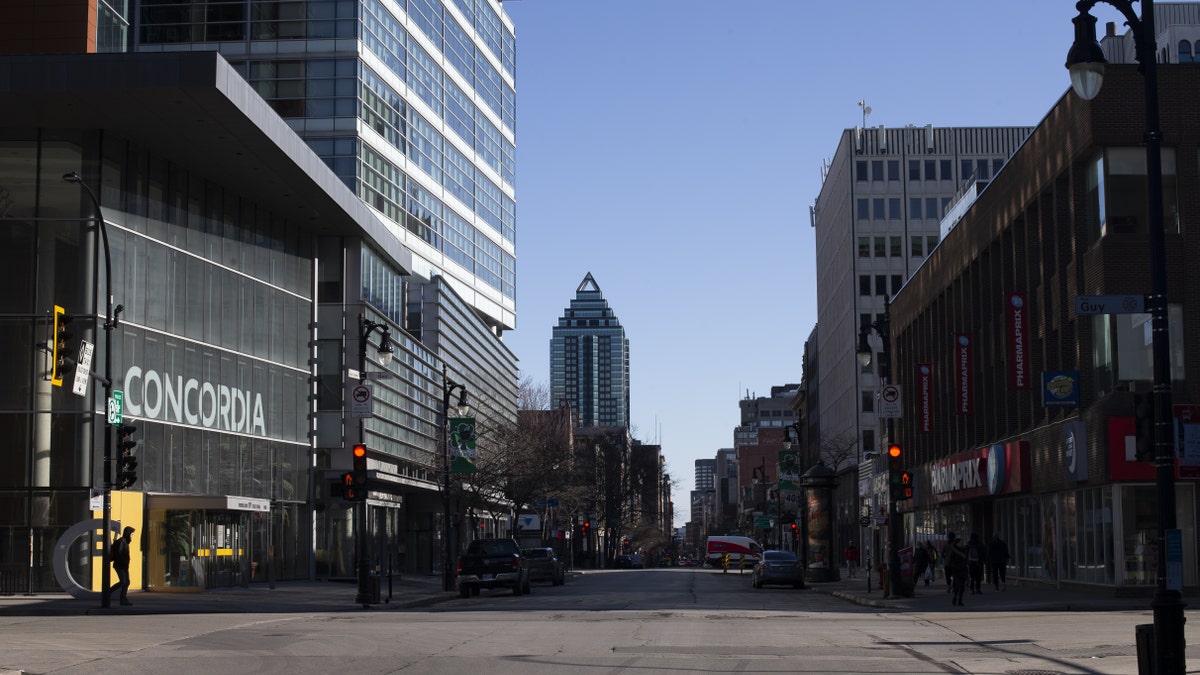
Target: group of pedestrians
(964,563)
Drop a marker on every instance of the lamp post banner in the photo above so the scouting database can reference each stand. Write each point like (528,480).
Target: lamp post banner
(925,398)
(962,369)
(1018,328)
(462,445)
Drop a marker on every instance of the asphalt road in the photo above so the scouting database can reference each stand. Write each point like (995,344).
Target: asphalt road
(639,621)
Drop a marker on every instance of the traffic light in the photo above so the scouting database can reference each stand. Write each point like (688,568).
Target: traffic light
(126,462)
(587,527)
(60,362)
(795,530)
(895,470)
(906,486)
(1143,426)
(355,482)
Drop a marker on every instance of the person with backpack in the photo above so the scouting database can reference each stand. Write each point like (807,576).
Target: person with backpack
(949,571)
(119,553)
(976,555)
(932,555)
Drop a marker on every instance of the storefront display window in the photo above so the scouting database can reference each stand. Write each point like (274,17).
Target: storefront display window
(1139,532)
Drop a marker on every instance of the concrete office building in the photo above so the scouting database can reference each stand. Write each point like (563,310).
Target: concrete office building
(589,360)
(875,221)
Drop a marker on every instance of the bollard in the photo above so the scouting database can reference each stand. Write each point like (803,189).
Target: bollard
(1144,637)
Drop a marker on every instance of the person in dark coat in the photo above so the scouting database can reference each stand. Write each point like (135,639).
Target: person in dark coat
(997,559)
(920,563)
(976,557)
(119,552)
(956,567)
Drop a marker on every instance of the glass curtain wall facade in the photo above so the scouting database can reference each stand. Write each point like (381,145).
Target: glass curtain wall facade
(589,360)
(412,103)
(211,352)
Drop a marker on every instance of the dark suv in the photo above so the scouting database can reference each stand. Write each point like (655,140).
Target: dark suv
(544,565)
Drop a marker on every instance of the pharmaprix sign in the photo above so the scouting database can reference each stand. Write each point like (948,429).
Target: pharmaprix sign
(171,398)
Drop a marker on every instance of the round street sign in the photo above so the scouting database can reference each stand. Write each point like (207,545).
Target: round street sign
(891,393)
(865,521)
(360,402)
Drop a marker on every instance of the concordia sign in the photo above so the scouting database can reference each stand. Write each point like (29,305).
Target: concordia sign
(172,399)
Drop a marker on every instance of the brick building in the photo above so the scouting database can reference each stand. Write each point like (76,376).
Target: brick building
(1018,412)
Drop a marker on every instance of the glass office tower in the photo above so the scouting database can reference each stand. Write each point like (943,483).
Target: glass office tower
(412,103)
(589,360)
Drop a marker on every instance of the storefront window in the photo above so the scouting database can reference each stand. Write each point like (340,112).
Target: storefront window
(1139,532)
(1086,518)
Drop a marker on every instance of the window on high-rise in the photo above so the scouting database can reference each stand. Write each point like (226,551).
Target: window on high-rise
(877,170)
(895,245)
(1185,51)
(931,208)
(864,247)
(997,164)
(946,170)
(877,212)
(881,284)
(981,170)
(931,242)
(968,170)
(918,247)
(860,171)
(864,209)
(930,169)
(893,170)
(864,284)
(914,169)
(914,208)
(894,212)
(897,282)
(868,401)
(880,247)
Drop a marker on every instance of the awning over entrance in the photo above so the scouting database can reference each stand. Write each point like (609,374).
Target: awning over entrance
(207,502)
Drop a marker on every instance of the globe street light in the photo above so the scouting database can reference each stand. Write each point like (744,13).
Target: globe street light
(1086,63)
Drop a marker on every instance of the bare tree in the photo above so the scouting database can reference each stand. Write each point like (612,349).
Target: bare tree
(837,451)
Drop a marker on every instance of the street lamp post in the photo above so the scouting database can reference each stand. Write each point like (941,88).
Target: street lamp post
(448,388)
(111,320)
(1086,63)
(385,352)
(882,328)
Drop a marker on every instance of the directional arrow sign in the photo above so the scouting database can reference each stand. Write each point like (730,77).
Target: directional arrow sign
(1110,304)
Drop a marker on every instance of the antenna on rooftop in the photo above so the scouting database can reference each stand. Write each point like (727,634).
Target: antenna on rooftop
(866,110)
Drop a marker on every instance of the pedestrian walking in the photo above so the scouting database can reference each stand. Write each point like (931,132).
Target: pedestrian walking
(997,559)
(932,554)
(949,571)
(119,553)
(976,555)
(956,568)
(852,556)
(920,563)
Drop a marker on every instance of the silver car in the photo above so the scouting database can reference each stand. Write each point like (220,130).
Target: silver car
(780,568)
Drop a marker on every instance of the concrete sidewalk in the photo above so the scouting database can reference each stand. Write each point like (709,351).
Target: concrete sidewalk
(287,596)
(1017,596)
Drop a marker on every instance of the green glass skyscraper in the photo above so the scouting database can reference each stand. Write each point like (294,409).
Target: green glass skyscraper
(589,360)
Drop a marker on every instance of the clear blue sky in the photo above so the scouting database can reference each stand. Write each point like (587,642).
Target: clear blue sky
(672,148)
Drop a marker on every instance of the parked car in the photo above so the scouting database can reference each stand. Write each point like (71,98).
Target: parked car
(780,568)
(631,561)
(544,565)
(492,563)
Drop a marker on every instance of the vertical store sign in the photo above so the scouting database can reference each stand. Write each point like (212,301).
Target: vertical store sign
(962,370)
(925,398)
(1018,322)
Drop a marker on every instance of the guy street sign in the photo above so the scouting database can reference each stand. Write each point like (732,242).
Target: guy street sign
(1110,304)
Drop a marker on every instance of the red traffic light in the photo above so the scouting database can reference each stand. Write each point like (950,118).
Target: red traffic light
(893,450)
(360,450)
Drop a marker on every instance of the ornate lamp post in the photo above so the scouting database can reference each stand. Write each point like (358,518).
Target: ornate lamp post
(1086,63)
(366,327)
(882,328)
(111,320)
(448,388)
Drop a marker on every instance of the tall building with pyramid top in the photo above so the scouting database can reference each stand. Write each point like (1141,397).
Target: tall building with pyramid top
(589,360)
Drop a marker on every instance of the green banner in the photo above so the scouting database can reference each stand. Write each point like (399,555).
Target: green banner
(462,445)
(789,470)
